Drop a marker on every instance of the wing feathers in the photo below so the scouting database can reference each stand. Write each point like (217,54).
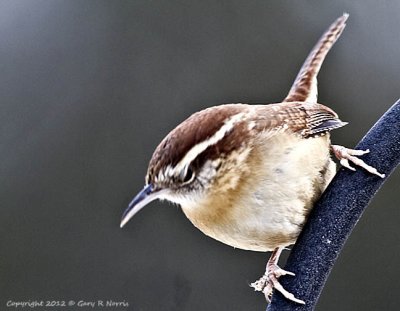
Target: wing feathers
(306,119)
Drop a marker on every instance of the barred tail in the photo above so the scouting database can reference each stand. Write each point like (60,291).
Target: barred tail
(305,86)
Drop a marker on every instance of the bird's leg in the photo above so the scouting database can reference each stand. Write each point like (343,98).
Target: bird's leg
(269,280)
(344,155)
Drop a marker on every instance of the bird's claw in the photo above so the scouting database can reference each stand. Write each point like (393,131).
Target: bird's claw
(269,281)
(346,155)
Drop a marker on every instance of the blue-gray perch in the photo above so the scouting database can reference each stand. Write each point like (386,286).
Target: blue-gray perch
(335,215)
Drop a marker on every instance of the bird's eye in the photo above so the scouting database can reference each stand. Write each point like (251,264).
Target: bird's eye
(189,175)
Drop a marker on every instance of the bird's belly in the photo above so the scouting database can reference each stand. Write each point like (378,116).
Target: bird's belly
(259,228)
(273,201)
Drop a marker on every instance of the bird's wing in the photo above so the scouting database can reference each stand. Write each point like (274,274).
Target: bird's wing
(306,119)
(305,86)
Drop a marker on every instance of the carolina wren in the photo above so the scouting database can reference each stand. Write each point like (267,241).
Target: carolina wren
(248,175)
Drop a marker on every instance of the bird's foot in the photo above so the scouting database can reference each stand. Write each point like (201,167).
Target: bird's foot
(344,155)
(269,281)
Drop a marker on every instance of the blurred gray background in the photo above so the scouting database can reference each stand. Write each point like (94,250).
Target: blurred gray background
(89,88)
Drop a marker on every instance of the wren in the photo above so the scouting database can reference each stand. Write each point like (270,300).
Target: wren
(248,175)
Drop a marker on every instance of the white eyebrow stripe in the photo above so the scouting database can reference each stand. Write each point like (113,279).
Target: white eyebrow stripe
(201,146)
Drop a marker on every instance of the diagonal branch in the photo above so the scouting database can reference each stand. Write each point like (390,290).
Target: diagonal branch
(335,215)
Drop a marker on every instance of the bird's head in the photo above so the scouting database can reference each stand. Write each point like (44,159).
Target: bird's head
(194,157)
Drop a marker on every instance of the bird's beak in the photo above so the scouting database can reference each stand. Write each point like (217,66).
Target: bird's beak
(143,198)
